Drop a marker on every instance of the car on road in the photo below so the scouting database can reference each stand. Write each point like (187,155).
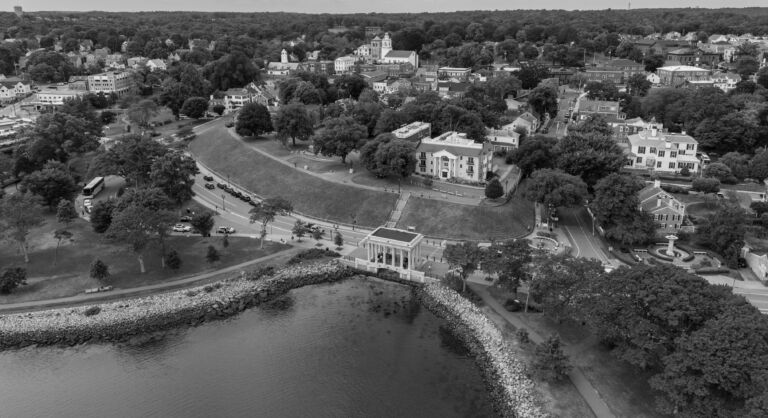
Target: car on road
(246,198)
(208,178)
(185,218)
(253,203)
(182,228)
(209,186)
(221,185)
(225,230)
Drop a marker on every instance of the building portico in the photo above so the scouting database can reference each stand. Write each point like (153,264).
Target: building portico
(393,249)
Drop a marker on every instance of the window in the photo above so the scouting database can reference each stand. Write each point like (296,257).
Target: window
(672,165)
(653,150)
(658,164)
(423,155)
(423,169)
(672,154)
(639,160)
(641,150)
(470,160)
(661,153)
(690,146)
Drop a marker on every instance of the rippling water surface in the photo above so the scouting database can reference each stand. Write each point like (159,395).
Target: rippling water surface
(353,349)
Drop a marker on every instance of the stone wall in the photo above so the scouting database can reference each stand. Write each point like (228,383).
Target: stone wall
(509,387)
(126,318)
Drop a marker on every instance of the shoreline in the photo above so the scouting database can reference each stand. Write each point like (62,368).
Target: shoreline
(509,389)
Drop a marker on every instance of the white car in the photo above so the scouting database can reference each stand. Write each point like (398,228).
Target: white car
(182,228)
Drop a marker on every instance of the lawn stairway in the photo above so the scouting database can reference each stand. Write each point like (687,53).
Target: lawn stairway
(398,211)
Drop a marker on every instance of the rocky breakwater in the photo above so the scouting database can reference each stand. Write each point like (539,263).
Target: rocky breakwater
(116,321)
(510,389)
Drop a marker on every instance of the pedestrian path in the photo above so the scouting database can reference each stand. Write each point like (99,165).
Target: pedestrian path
(398,211)
(579,380)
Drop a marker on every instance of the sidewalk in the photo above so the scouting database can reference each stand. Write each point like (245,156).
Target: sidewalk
(579,380)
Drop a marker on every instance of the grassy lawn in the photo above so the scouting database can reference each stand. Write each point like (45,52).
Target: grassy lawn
(561,399)
(623,387)
(443,219)
(309,195)
(70,274)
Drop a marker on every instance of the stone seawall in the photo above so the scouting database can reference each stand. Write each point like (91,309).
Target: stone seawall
(121,320)
(510,389)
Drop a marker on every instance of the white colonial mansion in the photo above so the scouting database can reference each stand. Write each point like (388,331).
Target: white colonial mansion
(454,156)
(656,150)
(380,51)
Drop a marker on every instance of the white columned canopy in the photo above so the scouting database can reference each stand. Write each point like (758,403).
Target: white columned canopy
(393,249)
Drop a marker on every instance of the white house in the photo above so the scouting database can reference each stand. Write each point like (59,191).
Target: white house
(9,90)
(344,64)
(504,139)
(655,150)
(45,98)
(454,156)
(156,64)
(526,121)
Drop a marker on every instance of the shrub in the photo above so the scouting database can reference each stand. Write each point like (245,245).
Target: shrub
(494,190)
(212,255)
(173,260)
(550,362)
(312,254)
(260,272)
(208,288)
(99,270)
(513,305)
(191,293)
(522,336)
(685,172)
(453,281)
(93,310)
(671,188)
(11,278)
(712,270)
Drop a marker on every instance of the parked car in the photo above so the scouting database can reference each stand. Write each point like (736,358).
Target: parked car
(185,218)
(208,178)
(742,263)
(246,198)
(221,185)
(253,203)
(209,186)
(225,230)
(182,228)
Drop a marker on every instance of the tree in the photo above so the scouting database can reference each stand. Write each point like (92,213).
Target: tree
(395,158)
(212,255)
(195,107)
(338,240)
(174,173)
(53,183)
(19,213)
(11,278)
(136,226)
(219,109)
(293,121)
(173,260)
(551,363)
(131,157)
(230,71)
(203,222)
(601,90)
(253,120)
(738,164)
(535,153)
(641,310)
(531,75)
(762,77)
(706,185)
(543,101)
(101,215)
(317,234)
(338,137)
(759,208)
(721,172)
(99,270)
(108,117)
(717,370)
(368,153)
(555,188)
(265,212)
(638,85)
(509,261)
(615,207)
(494,190)
(299,229)
(758,166)
(560,281)
(723,231)
(66,212)
(592,156)
(464,257)
(141,112)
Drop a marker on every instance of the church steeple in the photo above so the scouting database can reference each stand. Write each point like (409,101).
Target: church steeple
(284,57)
(386,45)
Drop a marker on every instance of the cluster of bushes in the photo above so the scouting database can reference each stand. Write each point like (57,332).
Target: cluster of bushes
(312,254)
(260,272)
(671,188)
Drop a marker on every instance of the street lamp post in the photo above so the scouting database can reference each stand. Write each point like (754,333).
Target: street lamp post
(223,208)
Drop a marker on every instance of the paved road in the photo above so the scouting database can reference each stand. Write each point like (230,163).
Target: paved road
(578,227)
(757,297)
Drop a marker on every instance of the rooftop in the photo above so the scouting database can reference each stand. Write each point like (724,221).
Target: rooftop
(399,54)
(394,234)
(682,68)
(410,129)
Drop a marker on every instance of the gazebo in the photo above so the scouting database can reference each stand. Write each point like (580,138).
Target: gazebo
(392,249)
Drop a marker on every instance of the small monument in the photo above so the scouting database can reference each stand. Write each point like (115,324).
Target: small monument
(671,245)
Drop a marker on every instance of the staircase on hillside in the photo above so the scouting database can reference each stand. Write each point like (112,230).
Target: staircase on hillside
(398,211)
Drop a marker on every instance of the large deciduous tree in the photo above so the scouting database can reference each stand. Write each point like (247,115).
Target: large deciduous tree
(556,188)
(591,156)
(53,183)
(141,112)
(231,70)
(131,157)
(174,173)
(560,281)
(535,153)
(723,231)
(253,120)
(543,101)
(194,107)
(293,121)
(464,257)
(339,136)
(19,213)
(266,210)
(203,222)
(616,209)
(509,261)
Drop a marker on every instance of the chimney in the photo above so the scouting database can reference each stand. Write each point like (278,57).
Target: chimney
(657,184)
(658,202)
(654,131)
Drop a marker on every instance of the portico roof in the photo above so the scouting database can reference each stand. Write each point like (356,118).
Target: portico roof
(394,234)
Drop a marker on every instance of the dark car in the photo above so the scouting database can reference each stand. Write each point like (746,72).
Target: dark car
(185,219)
(209,186)
(742,263)
(246,198)
(208,178)
(221,185)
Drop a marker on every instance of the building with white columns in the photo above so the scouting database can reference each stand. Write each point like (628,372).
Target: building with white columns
(392,249)
(454,156)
